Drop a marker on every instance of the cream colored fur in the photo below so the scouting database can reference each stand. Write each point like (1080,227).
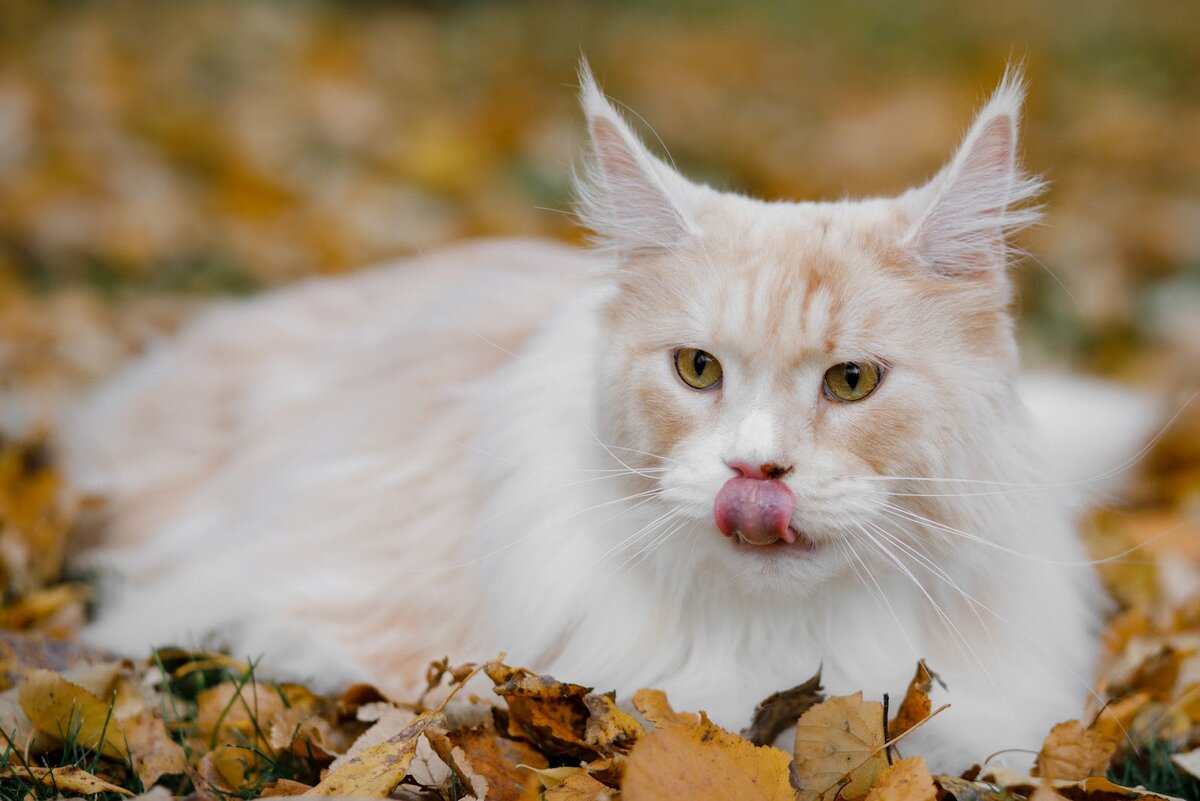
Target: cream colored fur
(488,449)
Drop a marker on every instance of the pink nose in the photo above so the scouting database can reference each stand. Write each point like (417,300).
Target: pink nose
(757,510)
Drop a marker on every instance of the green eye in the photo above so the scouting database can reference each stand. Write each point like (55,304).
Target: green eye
(852,381)
(697,368)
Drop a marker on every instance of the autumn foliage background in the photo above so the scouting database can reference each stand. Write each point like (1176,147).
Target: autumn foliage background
(155,157)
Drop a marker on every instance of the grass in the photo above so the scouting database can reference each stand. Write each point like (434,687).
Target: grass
(1154,770)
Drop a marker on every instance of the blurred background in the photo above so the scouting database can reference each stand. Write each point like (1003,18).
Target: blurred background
(155,156)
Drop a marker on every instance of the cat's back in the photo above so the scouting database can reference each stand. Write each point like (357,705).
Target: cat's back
(244,369)
(315,434)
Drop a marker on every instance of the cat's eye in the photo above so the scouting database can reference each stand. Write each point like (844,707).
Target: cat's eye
(852,381)
(698,369)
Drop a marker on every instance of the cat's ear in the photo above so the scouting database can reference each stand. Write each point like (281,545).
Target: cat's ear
(634,202)
(968,210)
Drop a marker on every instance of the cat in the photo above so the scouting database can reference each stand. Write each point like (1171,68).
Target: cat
(733,442)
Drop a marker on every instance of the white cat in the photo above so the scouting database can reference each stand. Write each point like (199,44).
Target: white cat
(737,441)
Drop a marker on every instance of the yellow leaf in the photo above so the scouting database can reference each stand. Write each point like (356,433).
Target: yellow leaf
(73,779)
(580,787)
(1072,753)
(654,707)
(702,762)
(907,780)
(608,726)
(61,709)
(375,772)
(839,744)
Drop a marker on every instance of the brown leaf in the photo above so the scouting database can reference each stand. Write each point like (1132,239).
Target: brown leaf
(73,779)
(580,787)
(654,707)
(153,751)
(1116,718)
(58,707)
(236,711)
(906,780)
(375,772)
(702,762)
(776,712)
(549,713)
(498,760)
(839,744)
(1073,753)
(916,705)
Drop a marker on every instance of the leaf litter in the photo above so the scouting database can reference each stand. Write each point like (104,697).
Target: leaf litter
(203,725)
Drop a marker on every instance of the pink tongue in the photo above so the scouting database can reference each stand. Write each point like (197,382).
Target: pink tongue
(756,510)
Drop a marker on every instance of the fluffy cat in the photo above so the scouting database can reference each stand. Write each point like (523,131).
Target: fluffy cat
(735,442)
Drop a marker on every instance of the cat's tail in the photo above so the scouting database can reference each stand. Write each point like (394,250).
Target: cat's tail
(1092,434)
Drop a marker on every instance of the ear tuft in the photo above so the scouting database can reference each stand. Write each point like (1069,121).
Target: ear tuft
(630,199)
(977,201)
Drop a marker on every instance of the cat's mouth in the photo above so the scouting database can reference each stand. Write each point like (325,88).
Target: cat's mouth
(795,539)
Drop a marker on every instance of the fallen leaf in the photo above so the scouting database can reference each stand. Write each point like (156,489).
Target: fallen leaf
(61,708)
(906,780)
(547,712)
(702,762)
(153,751)
(580,787)
(376,771)
(916,705)
(1073,753)
(778,711)
(71,778)
(1188,762)
(1116,718)
(608,727)
(552,777)
(506,764)
(284,787)
(654,707)
(952,787)
(840,746)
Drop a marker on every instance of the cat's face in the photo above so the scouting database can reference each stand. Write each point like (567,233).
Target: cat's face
(773,366)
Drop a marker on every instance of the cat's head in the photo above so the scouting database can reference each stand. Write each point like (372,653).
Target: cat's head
(780,360)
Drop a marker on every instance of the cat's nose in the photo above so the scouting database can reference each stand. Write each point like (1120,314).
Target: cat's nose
(766,470)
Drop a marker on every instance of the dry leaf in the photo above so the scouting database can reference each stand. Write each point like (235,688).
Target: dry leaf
(73,779)
(916,705)
(549,713)
(375,772)
(283,787)
(1116,718)
(778,711)
(608,727)
(153,751)
(702,762)
(906,780)
(654,707)
(1188,762)
(1072,753)
(839,744)
(952,787)
(58,707)
(580,787)
(498,760)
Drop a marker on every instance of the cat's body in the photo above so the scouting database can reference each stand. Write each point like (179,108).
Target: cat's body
(491,449)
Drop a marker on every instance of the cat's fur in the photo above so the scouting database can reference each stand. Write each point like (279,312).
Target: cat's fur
(489,449)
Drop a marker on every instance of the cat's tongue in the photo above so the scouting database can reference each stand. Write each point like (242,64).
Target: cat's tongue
(756,510)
